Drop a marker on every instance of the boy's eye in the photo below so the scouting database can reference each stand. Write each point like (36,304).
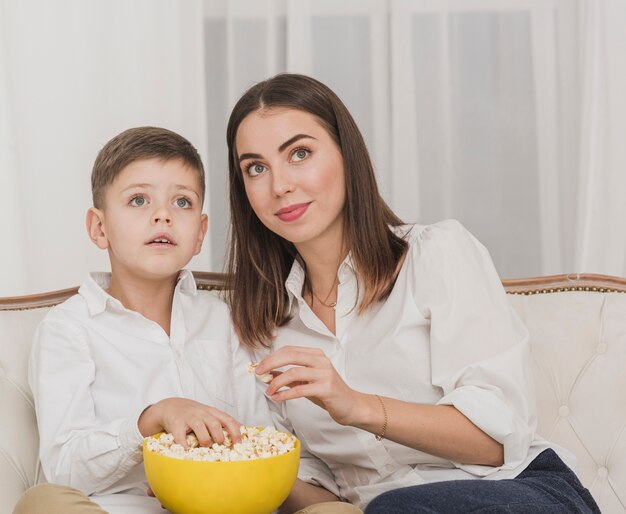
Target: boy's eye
(183,203)
(137,201)
(255,169)
(300,154)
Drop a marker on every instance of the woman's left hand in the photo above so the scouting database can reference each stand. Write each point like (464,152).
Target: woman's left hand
(313,377)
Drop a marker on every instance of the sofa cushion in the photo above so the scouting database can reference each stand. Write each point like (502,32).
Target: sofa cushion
(578,344)
(19,441)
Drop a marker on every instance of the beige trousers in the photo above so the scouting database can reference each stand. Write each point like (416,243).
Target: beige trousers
(59,499)
(55,499)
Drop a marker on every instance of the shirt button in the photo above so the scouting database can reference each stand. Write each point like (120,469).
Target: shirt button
(564,411)
(603,472)
(389,468)
(601,348)
(3,373)
(345,310)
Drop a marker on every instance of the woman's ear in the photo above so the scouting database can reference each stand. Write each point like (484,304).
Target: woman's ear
(95,228)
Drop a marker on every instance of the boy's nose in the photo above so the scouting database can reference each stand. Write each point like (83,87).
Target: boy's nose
(162,215)
(164,219)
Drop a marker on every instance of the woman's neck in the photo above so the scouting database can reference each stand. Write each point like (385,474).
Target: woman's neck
(322,264)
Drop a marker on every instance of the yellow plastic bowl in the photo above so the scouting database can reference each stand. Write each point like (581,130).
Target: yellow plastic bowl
(256,486)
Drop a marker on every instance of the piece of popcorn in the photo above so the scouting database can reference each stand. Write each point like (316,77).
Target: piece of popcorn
(265,377)
(256,443)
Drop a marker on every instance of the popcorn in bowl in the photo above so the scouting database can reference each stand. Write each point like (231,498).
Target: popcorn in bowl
(265,377)
(255,475)
(256,443)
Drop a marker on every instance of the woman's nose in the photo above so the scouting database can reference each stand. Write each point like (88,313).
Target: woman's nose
(282,182)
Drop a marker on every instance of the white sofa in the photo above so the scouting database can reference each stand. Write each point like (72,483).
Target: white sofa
(578,336)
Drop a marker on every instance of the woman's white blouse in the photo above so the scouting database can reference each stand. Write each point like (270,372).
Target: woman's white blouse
(445,335)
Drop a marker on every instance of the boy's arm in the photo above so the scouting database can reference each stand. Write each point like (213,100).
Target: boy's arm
(303,495)
(74,449)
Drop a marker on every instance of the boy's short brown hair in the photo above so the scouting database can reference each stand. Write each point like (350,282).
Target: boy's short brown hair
(137,144)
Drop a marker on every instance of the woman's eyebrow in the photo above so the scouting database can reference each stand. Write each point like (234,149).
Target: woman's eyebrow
(292,140)
(245,156)
(281,148)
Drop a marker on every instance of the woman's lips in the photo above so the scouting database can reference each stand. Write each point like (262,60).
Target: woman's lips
(292,212)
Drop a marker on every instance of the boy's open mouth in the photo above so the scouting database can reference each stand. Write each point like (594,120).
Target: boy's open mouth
(162,239)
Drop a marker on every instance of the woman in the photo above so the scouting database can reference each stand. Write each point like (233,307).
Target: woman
(397,359)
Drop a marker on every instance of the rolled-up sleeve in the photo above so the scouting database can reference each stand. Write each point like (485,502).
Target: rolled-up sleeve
(479,349)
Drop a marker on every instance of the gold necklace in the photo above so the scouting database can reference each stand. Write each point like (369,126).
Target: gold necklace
(332,305)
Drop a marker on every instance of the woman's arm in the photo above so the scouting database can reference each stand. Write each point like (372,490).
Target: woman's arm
(440,430)
(436,429)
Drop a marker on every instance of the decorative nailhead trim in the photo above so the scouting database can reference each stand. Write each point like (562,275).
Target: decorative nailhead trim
(566,289)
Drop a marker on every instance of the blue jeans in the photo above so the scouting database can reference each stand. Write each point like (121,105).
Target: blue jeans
(547,486)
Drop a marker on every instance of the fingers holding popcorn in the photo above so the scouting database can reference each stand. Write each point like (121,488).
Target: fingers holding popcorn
(310,375)
(265,377)
(180,416)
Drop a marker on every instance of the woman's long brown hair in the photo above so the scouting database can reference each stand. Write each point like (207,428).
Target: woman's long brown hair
(259,261)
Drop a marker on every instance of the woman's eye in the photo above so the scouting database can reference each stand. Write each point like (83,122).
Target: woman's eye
(183,203)
(137,201)
(255,169)
(300,154)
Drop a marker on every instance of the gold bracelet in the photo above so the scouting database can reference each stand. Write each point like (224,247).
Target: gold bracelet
(380,436)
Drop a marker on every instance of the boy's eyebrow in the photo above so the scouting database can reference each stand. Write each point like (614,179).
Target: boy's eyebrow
(179,187)
(281,148)
(132,186)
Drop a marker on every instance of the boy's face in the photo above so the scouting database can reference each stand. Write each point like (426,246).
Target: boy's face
(152,222)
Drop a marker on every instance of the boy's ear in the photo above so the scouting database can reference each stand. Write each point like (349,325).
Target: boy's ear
(204,225)
(95,228)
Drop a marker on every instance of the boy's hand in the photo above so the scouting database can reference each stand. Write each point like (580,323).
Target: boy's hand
(179,416)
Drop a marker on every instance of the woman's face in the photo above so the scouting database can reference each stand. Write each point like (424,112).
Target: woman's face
(293,175)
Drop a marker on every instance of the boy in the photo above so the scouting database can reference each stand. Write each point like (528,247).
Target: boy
(136,351)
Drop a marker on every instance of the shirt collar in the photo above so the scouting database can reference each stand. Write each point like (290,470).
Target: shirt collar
(295,279)
(294,282)
(93,290)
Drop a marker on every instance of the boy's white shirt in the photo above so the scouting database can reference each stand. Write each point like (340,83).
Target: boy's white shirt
(96,365)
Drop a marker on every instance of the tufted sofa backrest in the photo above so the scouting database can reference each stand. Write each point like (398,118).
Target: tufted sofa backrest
(578,340)
(578,343)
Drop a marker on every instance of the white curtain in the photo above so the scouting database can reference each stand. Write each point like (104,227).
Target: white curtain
(508,115)
(601,244)
(505,114)
(72,75)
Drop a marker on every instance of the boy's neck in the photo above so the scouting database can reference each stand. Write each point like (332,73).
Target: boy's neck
(151,298)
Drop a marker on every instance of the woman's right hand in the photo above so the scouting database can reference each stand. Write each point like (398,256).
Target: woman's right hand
(179,416)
